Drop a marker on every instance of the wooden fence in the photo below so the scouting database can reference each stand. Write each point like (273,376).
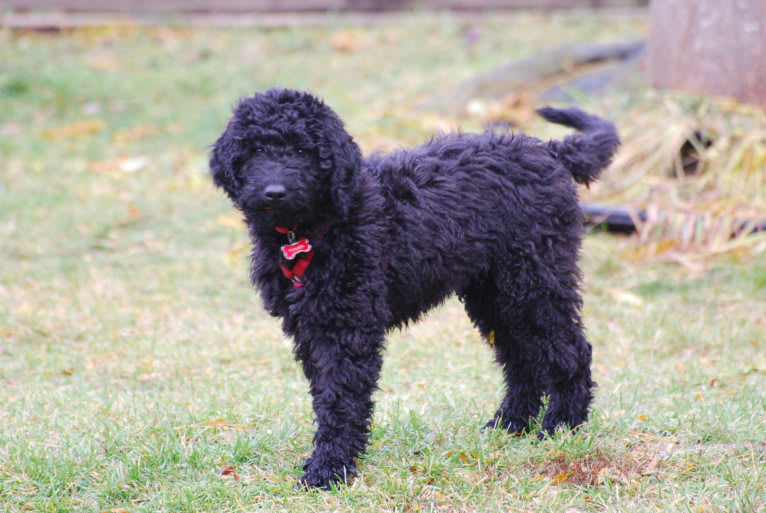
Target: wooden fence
(297,5)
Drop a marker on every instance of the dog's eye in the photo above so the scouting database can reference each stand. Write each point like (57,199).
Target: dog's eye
(299,151)
(259,149)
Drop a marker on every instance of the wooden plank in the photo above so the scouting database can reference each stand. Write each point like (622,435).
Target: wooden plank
(180,5)
(57,19)
(297,5)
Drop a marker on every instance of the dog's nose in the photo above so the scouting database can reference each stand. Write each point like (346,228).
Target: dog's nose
(275,192)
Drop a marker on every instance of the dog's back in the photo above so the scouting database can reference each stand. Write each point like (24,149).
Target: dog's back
(460,202)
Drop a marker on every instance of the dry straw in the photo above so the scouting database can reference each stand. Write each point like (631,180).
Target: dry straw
(697,167)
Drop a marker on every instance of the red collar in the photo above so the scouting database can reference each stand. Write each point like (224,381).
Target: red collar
(300,251)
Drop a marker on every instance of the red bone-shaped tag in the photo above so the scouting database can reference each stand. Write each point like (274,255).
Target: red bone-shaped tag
(290,251)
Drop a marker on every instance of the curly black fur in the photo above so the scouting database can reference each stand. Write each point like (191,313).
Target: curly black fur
(491,217)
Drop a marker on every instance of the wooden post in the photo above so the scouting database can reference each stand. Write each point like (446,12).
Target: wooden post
(717,47)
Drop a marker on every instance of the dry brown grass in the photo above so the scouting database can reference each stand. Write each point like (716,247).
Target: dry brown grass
(697,167)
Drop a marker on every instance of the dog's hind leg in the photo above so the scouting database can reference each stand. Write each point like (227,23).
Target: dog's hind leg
(570,386)
(544,311)
(523,393)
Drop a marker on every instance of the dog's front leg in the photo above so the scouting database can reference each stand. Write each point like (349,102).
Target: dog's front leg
(343,368)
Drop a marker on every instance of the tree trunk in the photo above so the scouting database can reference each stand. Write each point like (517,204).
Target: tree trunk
(717,47)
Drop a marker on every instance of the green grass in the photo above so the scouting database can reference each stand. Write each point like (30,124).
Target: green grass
(139,373)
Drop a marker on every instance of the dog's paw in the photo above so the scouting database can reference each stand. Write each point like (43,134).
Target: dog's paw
(323,475)
(322,479)
(513,428)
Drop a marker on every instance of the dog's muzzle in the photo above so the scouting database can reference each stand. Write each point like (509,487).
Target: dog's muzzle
(270,196)
(275,193)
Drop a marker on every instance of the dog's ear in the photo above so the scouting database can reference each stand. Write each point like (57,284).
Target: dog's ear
(221,165)
(343,157)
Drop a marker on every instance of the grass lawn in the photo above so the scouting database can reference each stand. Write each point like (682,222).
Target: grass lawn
(138,372)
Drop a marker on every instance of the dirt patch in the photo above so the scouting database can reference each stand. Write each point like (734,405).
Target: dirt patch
(595,468)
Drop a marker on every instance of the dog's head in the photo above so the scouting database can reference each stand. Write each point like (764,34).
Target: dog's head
(285,159)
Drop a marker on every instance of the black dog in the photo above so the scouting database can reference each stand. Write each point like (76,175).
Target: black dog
(347,248)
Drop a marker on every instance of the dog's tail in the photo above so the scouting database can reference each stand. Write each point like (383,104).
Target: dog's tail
(585,154)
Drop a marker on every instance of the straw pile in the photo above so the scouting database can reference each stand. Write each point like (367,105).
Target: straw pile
(697,167)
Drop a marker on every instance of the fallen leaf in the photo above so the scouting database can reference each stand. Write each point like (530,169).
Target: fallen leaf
(559,478)
(649,470)
(627,298)
(759,365)
(75,129)
(346,41)
(133,164)
(134,133)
